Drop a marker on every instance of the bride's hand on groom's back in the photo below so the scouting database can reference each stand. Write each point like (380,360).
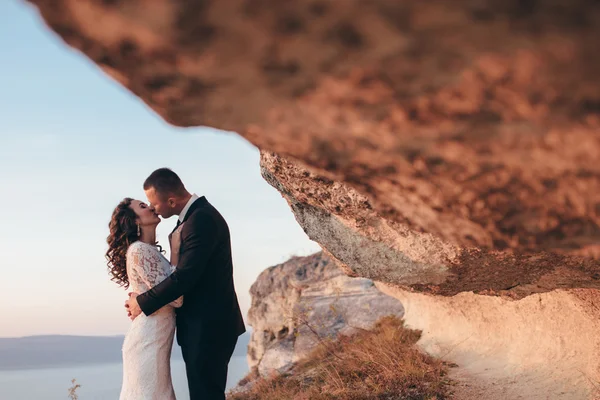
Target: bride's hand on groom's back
(132,307)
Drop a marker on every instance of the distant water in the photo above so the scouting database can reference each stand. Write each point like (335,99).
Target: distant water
(98,382)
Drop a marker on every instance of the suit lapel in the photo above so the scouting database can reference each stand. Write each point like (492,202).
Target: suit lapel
(200,202)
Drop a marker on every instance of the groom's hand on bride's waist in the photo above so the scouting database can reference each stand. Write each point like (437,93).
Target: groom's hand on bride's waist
(132,306)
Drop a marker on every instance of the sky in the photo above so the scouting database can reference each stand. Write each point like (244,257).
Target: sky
(73,143)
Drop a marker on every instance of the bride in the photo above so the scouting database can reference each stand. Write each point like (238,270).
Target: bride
(135,261)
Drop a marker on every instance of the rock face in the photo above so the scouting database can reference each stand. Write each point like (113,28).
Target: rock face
(304,300)
(518,343)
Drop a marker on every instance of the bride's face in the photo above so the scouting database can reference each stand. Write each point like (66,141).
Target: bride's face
(146,215)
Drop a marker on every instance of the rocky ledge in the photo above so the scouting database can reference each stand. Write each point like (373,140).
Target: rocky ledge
(469,126)
(369,244)
(518,325)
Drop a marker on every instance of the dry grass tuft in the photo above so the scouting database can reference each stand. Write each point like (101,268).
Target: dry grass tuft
(73,390)
(379,364)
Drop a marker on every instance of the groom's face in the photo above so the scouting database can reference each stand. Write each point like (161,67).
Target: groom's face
(162,205)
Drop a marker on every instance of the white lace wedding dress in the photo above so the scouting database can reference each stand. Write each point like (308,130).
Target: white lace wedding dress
(148,343)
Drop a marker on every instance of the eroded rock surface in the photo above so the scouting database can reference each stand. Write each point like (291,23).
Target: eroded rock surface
(368,244)
(306,300)
(475,121)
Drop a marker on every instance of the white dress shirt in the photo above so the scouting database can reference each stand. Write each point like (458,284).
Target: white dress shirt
(187,207)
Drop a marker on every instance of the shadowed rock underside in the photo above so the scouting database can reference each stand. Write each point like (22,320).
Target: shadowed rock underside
(473,124)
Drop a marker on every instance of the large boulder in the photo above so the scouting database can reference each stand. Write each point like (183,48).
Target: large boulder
(306,301)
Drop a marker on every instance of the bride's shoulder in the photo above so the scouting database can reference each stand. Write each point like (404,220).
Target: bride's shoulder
(138,247)
(135,247)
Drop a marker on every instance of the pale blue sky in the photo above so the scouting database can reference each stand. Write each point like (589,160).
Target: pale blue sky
(73,143)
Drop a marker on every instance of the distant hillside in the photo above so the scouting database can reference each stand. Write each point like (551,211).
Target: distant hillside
(61,350)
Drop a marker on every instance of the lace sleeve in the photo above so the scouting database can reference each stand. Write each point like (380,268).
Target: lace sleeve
(147,269)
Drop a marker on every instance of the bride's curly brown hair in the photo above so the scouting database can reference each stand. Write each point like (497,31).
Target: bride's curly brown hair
(123,232)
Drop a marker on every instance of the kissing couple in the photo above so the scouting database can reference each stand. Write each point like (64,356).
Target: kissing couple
(192,293)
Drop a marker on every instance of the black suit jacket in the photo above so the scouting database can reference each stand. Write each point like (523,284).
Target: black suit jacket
(204,277)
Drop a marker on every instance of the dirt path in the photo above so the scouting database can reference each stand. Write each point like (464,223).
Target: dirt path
(473,387)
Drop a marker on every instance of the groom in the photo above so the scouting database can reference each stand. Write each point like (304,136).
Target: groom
(210,321)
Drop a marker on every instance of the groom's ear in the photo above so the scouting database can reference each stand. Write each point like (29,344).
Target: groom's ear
(172,202)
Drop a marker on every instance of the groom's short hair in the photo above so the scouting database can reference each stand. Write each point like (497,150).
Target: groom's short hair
(165,182)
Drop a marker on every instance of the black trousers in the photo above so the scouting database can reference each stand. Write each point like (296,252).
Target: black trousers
(206,365)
